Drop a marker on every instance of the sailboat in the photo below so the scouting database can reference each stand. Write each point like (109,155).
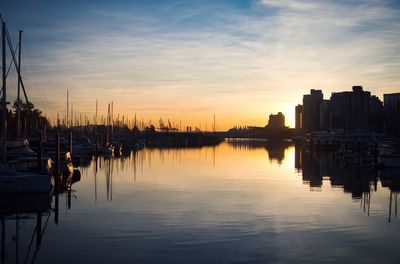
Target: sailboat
(12,181)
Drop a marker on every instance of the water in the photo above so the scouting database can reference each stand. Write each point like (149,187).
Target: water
(242,201)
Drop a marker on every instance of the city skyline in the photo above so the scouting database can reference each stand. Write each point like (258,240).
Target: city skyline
(187,60)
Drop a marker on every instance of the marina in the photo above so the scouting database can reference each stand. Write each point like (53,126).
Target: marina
(250,131)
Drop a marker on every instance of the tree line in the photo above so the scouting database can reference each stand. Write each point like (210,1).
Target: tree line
(32,120)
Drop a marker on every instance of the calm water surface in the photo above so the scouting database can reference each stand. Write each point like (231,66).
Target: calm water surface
(242,201)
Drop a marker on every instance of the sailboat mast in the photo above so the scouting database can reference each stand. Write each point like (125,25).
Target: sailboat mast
(67,120)
(108,124)
(4,102)
(214,123)
(135,126)
(19,87)
(95,119)
(112,120)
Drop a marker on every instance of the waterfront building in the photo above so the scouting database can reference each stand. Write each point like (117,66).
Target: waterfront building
(376,118)
(299,117)
(325,115)
(276,121)
(311,110)
(392,113)
(354,110)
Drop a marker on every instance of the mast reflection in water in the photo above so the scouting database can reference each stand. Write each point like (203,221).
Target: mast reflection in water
(242,201)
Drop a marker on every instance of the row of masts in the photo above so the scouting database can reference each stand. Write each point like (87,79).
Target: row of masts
(78,120)
(123,121)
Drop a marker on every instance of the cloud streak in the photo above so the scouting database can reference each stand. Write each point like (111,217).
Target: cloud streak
(261,56)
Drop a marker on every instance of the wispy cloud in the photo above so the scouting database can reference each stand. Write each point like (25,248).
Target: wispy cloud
(215,55)
(292,4)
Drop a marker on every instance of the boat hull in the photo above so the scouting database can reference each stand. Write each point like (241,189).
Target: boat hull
(25,183)
(389,161)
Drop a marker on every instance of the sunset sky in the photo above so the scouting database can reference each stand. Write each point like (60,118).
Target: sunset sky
(186,60)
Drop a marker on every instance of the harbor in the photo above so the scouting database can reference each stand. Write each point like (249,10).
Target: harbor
(249,131)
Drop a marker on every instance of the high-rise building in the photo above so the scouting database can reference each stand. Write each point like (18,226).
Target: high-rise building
(299,117)
(355,110)
(376,114)
(311,110)
(391,105)
(325,115)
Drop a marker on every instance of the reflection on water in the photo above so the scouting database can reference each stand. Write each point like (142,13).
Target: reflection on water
(360,181)
(356,180)
(15,211)
(25,217)
(274,148)
(230,203)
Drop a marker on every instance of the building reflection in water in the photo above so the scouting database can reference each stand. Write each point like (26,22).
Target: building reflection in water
(394,186)
(359,180)
(35,210)
(274,148)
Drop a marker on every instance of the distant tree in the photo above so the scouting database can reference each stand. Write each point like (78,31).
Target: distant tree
(32,120)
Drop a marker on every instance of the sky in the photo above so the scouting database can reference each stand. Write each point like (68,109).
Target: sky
(188,60)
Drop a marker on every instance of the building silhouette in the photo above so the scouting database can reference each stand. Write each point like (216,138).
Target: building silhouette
(275,129)
(350,110)
(392,113)
(299,117)
(354,110)
(311,110)
(376,112)
(276,121)
(325,115)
